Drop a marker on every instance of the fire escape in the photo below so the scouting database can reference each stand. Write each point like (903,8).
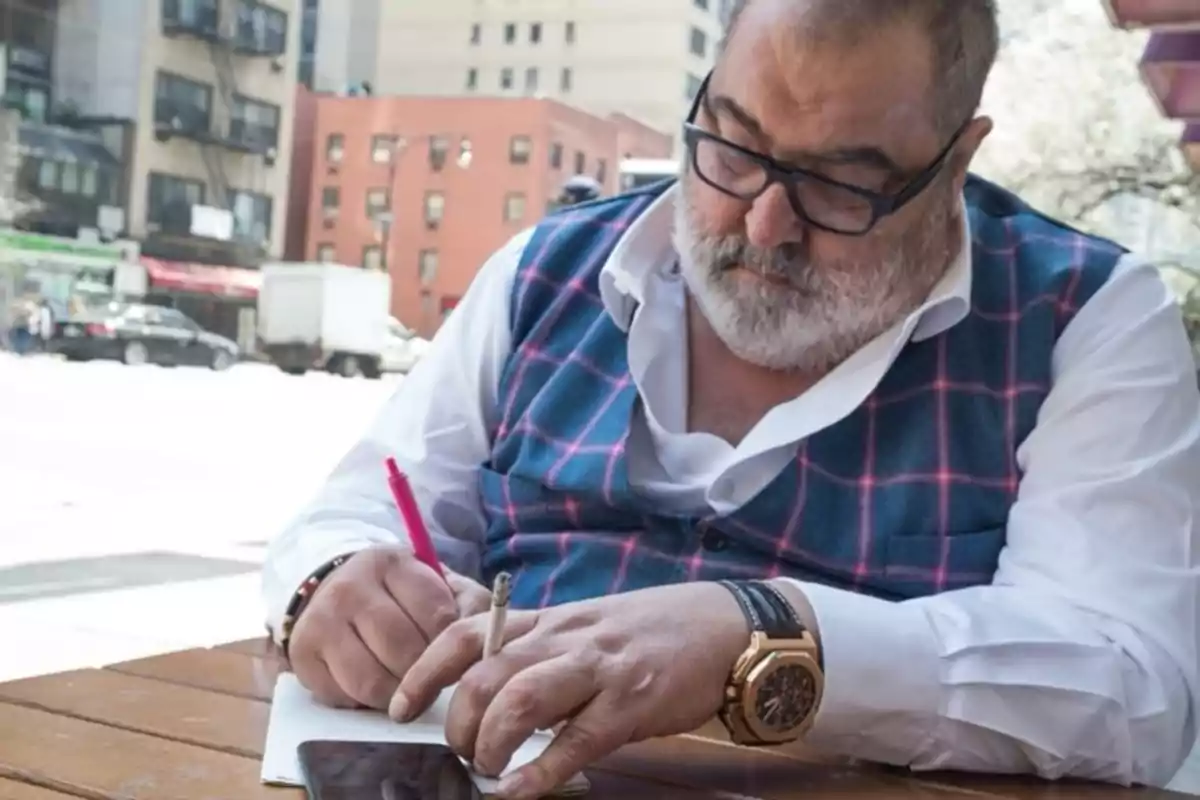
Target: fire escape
(227,30)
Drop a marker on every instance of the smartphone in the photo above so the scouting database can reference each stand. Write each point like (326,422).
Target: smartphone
(395,771)
(384,771)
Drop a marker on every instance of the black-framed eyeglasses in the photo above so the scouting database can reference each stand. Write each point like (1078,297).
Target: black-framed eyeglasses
(831,205)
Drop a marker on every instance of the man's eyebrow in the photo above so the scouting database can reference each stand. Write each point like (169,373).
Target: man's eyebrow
(718,103)
(867,155)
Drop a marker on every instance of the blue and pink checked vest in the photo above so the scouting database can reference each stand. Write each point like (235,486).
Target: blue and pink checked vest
(907,496)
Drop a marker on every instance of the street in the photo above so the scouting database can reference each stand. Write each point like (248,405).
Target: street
(137,500)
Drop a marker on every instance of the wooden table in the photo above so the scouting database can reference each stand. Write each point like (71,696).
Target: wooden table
(191,726)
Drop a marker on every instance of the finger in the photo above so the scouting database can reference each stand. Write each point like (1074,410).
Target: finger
(597,731)
(422,594)
(310,668)
(470,597)
(359,673)
(391,636)
(477,689)
(314,675)
(532,700)
(447,658)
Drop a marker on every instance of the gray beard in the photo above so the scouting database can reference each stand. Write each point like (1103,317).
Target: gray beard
(817,321)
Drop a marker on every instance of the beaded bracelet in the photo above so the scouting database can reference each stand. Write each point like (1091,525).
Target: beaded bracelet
(300,599)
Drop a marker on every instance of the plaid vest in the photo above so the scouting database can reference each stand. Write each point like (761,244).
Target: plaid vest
(909,495)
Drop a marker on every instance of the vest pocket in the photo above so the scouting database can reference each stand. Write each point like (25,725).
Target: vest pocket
(923,565)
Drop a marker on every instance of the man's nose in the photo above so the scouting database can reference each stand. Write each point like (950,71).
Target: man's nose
(771,221)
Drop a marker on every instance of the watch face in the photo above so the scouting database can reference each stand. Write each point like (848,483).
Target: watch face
(785,697)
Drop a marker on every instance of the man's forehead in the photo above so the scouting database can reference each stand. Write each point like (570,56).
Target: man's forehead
(801,85)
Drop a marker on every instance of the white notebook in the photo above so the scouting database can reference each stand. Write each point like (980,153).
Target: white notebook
(296,717)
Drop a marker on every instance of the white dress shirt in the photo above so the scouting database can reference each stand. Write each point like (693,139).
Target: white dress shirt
(1080,658)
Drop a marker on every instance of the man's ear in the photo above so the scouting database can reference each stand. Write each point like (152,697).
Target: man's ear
(964,151)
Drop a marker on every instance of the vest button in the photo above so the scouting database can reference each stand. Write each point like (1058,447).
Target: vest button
(713,540)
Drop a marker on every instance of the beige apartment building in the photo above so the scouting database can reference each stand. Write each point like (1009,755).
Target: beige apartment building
(644,58)
(208,88)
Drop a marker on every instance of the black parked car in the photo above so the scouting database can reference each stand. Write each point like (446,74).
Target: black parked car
(141,334)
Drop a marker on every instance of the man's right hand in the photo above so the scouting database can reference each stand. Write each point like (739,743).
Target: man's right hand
(370,620)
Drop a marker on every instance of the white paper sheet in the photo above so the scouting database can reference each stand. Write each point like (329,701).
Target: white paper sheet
(296,717)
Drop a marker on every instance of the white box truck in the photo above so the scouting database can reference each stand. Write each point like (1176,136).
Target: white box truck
(325,317)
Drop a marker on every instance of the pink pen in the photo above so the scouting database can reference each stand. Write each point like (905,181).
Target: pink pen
(418,534)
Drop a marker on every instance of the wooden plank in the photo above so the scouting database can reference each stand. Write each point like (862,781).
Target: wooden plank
(215,670)
(13,790)
(97,761)
(262,647)
(234,725)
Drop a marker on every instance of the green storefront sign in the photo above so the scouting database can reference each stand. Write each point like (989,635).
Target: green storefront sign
(57,245)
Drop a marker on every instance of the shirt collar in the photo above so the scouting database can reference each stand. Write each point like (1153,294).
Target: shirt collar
(645,251)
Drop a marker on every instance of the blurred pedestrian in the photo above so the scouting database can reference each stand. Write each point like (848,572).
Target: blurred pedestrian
(24,318)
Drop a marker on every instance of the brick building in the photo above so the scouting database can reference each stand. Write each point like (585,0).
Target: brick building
(428,187)
(1171,62)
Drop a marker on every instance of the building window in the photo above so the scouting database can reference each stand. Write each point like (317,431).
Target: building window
(427,267)
(439,147)
(378,201)
(601,171)
(535,32)
(699,43)
(252,213)
(335,148)
(372,258)
(70,178)
(325,253)
(569,33)
(506,78)
(331,200)
(476,33)
(514,207)
(556,155)
(580,162)
(169,201)
(435,209)
(472,79)
(531,79)
(693,87)
(30,99)
(261,28)
(254,123)
(182,104)
(46,178)
(519,149)
(383,148)
(47,175)
(427,307)
(193,15)
(510,32)
(565,79)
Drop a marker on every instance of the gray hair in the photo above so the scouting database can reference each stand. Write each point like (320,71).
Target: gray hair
(964,35)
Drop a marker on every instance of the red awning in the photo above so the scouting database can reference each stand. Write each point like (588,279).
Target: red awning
(179,276)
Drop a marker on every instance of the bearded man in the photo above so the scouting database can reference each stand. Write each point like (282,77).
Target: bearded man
(829,438)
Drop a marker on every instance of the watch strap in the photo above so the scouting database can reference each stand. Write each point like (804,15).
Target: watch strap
(766,609)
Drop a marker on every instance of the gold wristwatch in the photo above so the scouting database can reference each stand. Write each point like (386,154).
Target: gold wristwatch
(775,687)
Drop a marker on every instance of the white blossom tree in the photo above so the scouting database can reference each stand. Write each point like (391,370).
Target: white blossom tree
(1077,131)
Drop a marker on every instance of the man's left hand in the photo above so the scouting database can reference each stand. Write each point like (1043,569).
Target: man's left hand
(614,670)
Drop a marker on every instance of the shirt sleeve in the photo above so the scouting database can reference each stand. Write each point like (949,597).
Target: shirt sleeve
(437,425)
(1080,659)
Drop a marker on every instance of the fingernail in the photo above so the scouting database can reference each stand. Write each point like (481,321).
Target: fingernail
(399,708)
(511,786)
